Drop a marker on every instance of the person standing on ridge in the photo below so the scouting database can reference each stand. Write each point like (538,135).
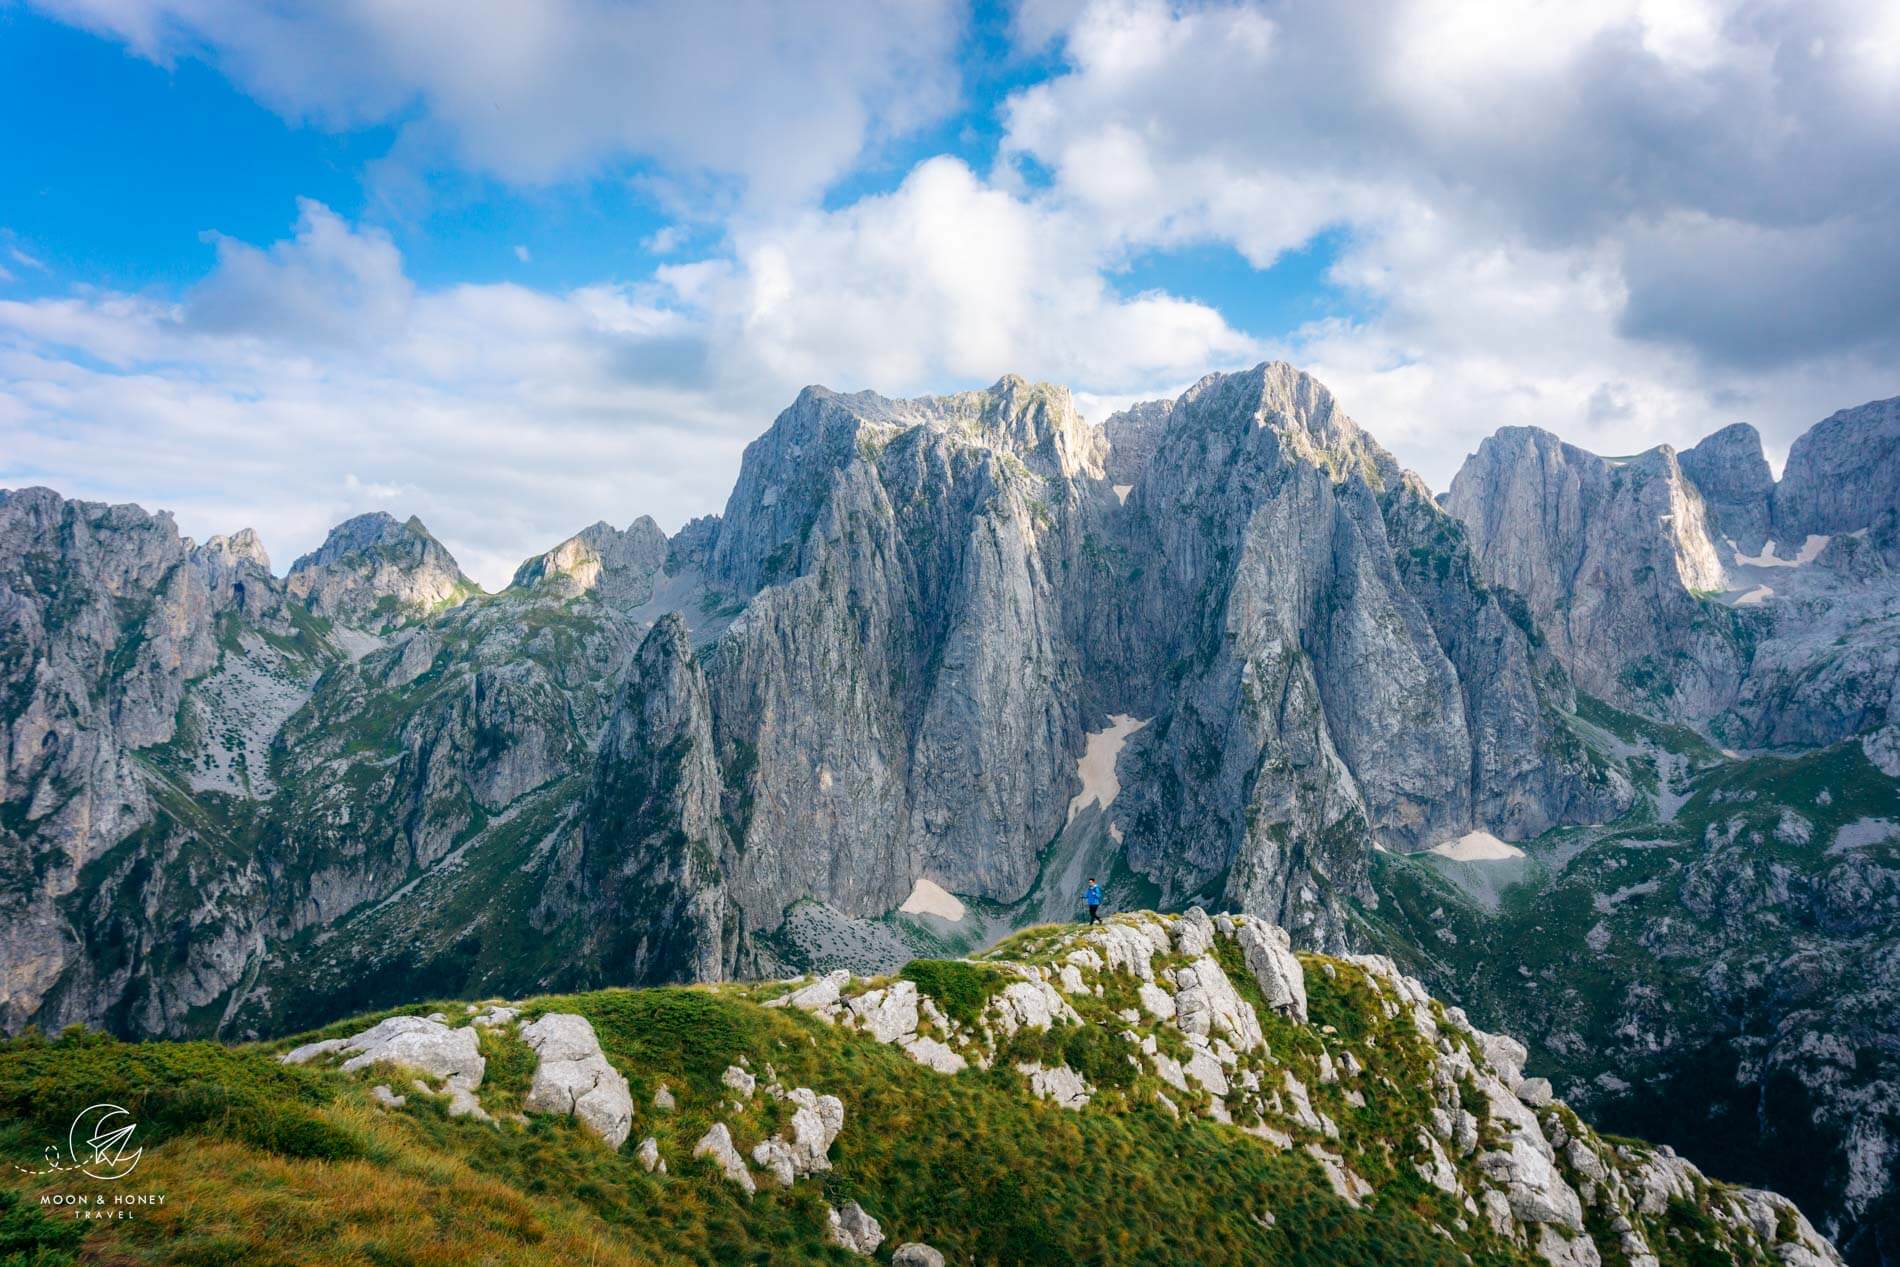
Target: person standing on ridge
(1094,898)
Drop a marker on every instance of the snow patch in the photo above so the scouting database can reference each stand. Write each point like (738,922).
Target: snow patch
(1755,596)
(1122,491)
(1096,765)
(1477,846)
(1809,552)
(930,898)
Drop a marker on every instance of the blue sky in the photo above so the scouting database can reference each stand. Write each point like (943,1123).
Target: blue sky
(518,268)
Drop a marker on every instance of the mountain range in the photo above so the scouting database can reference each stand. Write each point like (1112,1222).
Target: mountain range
(1600,747)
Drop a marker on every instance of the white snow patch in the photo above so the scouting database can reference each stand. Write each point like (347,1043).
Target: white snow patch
(1096,765)
(1755,596)
(931,898)
(1477,846)
(1809,552)
(1122,491)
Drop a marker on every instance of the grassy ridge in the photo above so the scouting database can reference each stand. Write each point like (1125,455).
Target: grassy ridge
(266,1164)
(263,1163)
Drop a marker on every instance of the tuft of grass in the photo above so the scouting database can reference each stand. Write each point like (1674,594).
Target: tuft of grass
(960,988)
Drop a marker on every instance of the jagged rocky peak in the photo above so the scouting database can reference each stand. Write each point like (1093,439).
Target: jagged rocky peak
(377,572)
(1732,475)
(1036,422)
(1842,474)
(614,565)
(237,573)
(1133,435)
(788,473)
(1297,410)
(691,548)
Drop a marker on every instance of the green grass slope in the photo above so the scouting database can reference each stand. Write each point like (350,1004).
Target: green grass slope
(265,1163)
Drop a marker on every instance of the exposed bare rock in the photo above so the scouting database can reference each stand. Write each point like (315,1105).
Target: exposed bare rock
(572,1076)
(1842,473)
(375,572)
(612,565)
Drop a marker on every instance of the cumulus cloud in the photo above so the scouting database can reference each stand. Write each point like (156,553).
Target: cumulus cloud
(945,281)
(311,378)
(1689,201)
(1631,222)
(780,97)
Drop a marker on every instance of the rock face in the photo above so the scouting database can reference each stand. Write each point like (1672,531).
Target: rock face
(1737,487)
(1842,474)
(1613,558)
(614,566)
(375,572)
(1699,590)
(885,660)
(1306,554)
(1133,437)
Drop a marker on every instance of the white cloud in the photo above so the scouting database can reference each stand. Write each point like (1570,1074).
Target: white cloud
(311,379)
(523,254)
(782,97)
(1628,221)
(943,282)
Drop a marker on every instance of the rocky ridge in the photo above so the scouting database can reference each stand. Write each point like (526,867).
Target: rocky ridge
(1339,1069)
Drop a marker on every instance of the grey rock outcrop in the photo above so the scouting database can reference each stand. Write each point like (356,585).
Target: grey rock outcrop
(716,1144)
(573,1077)
(915,1254)
(376,573)
(411,1042)
(1730,471)
(1842,474)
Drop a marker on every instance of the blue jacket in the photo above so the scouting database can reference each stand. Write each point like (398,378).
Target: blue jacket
(1094,896)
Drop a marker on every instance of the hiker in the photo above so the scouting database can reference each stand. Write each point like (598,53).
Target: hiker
(1094,898)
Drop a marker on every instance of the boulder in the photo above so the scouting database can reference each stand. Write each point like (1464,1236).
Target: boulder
(849,1227)
(716,1143)
(914,1254)
(573,1077)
